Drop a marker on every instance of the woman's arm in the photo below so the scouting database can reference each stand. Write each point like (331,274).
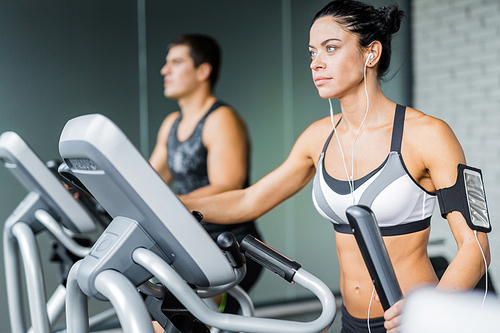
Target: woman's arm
(268,192)
(468,266)
(440,154)
(226,140)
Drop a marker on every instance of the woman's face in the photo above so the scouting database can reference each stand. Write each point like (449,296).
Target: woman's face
(336,61)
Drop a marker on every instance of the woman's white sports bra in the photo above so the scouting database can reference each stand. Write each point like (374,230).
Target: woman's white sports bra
(400,204)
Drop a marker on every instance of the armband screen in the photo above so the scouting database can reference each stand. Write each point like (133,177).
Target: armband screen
(468,197)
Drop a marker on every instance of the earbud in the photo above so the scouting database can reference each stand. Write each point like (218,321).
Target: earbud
(370,57)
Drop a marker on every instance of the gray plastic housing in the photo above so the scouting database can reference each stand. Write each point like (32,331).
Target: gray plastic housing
(113,250)
(32,173)
(100,155)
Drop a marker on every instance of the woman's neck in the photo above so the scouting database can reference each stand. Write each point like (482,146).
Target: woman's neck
(354,106)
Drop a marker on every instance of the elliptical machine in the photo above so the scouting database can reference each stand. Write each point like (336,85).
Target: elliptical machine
(153,234)
(47,207)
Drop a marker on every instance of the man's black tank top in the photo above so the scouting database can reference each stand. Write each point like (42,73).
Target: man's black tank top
(187,161)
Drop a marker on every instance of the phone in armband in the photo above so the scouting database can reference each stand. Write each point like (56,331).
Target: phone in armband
(468,197)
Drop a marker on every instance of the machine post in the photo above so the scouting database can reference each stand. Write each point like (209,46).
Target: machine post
(77,310)
(34,279)
(129,306)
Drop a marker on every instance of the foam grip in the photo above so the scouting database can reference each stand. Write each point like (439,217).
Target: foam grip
(269,257)
(374,252)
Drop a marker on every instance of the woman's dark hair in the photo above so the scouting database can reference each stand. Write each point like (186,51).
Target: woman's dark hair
(368,24)
(202,48)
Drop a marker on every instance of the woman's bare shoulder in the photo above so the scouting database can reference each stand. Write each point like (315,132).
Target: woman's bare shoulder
(432,137)
(313,138)
(426,126)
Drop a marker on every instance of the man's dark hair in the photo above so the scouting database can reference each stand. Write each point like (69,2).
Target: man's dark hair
(202,48)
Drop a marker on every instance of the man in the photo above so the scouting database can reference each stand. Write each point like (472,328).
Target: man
(204,148)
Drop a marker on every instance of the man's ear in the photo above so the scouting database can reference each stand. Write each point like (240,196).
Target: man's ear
(203,71)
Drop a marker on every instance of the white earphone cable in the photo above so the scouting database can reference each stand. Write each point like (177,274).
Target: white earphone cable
(350,179)
(351,187)
(485,268)
(369,308)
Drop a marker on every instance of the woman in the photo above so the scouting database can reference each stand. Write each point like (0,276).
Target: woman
(368,159)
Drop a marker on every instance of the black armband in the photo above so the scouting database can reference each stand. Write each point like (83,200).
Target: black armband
(468,197)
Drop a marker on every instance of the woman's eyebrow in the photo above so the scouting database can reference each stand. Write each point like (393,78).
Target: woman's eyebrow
(326,42)
(329,40)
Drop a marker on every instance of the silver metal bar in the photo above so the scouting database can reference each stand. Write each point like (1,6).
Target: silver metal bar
(77,310)
(56,230)
(34,278)
(13,281)
(169,277)
(129,306)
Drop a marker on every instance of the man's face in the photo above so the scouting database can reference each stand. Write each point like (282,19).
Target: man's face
(180,75)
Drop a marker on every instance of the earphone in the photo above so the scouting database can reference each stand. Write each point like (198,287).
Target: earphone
(370,57)
(350,179)
(485,268)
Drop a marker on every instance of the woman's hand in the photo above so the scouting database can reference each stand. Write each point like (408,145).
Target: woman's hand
(393,317)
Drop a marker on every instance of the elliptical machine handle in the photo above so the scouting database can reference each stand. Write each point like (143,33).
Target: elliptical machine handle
(70,178)
(64,173)
(374,252)
(229,245)
(269,257)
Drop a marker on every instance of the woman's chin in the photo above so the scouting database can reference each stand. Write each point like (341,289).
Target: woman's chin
(324,95)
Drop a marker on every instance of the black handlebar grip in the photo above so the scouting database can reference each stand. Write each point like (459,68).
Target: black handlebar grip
(97,211)
(228,243)
(269,257)
(69,177)
(374,252)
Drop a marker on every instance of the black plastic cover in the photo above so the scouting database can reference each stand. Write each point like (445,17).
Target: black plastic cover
(374,252)
(268,257)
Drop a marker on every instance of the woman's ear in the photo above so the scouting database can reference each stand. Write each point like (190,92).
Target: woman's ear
(373,53)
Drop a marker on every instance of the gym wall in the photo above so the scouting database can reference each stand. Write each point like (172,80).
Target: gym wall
(61,59)
(456,77)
